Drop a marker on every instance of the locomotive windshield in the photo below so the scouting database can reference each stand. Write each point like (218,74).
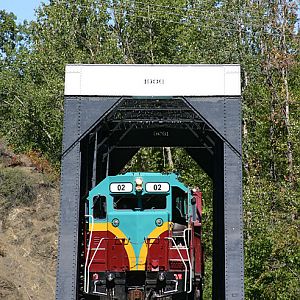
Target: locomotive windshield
(140,203)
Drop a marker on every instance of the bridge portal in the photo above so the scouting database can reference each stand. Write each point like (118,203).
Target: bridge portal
(111,111)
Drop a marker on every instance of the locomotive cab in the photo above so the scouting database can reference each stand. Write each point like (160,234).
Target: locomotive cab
(140,238)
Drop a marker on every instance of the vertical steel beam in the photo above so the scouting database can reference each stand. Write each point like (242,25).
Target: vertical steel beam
(233,204)
(80,113)
(223,114)
(66,283)
(218,280)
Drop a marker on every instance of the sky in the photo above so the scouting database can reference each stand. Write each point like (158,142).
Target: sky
(23,9)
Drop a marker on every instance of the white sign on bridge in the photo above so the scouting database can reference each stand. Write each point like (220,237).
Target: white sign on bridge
(152,80)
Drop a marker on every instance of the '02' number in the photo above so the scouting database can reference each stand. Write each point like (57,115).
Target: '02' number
(121,187)
(157,187)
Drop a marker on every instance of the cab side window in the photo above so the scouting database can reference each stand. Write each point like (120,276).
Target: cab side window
(99,207)
(179,205)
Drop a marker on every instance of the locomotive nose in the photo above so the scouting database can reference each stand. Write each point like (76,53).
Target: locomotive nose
(141,228)
(149,227)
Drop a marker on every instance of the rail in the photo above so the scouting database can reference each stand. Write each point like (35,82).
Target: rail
(86,265)
(86,284)
(99,293)
(171,291)
(88,268)
(180,255)
(182,259)
(188,255)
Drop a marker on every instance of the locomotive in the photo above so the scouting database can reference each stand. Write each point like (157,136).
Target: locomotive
(142,238)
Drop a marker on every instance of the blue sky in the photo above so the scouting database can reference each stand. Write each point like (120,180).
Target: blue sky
(23,9)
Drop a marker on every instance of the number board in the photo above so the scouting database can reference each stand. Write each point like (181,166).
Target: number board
(157,187)
(121,187)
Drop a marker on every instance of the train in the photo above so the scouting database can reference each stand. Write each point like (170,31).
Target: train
(142,238)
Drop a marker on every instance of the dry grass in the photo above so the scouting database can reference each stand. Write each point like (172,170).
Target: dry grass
(28,229)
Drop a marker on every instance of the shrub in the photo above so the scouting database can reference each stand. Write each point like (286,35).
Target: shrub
(16,188)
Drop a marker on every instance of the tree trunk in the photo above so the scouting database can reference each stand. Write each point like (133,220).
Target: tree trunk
(287,126)
(286,110)
(169,158)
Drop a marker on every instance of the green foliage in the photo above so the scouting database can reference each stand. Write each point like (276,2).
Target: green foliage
(8,32)
(260,35)
(272,244)
(15,189)
(32,83)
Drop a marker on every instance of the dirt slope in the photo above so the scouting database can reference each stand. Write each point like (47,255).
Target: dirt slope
(28,229)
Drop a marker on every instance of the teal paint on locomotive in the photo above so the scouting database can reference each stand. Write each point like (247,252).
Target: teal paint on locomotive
(136,223)
(144,237)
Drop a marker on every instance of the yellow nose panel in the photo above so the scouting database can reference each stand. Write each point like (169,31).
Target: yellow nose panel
(152,236)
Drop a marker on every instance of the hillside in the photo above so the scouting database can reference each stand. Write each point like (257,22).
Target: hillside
(28,229)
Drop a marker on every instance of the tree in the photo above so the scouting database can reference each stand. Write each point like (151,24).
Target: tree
(261,35)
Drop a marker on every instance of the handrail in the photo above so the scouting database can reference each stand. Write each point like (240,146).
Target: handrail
(95,290)
(185,266)
(88,270)
(86,265)
(88,253)
(188,255)
(176,287)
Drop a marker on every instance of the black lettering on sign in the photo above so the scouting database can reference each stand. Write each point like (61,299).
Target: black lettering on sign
(154,81)
(157,187)
(161,133)
(121,187)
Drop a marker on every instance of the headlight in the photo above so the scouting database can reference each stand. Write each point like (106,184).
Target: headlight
(139,184)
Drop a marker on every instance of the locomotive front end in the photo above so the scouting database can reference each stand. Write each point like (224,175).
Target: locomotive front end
(140,241)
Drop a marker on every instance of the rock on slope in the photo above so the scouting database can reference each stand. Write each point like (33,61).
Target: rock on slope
(28,229)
